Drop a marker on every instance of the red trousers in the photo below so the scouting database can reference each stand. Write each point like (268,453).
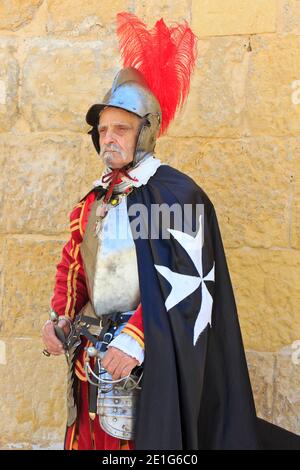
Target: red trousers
(87,434)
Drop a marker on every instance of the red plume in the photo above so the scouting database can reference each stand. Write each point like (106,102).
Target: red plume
(165,56)
(134,40)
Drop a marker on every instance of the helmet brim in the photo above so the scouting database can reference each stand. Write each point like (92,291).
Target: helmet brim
(92,116)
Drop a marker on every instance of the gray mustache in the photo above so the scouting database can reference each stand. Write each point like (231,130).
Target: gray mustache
(107,148)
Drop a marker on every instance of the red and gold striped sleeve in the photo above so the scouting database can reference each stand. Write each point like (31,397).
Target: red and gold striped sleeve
(134,326)
(70,290)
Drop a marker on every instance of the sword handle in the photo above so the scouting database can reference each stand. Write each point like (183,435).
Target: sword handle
(61,336)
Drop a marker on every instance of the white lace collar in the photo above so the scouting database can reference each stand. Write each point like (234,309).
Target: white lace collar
(142,171)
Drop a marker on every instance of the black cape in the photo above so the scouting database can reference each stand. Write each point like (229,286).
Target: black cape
(193,396)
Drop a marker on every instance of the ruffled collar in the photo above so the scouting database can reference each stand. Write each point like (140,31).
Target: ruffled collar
(140,173)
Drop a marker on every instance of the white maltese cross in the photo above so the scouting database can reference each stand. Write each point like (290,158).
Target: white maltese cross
(183,285)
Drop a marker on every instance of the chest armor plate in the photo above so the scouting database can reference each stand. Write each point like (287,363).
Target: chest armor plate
(110,262)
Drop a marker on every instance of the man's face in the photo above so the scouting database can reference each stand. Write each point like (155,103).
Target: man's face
(118,131)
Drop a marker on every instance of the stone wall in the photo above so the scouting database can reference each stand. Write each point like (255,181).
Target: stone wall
(238,137)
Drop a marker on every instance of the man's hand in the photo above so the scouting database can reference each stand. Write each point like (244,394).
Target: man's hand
(52,343)
(117,363)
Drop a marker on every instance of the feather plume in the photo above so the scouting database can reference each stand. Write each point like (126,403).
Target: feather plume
(165,56)
(134,41)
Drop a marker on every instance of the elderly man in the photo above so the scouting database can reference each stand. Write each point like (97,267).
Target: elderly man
(143,293)
(118,131)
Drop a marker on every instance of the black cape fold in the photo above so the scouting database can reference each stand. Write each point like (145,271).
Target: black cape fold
(193,397)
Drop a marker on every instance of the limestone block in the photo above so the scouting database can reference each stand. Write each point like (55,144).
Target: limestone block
(267,292)
(2,260)
(92,19)
(293,153)
(42,176)
(296,222)
(17,13)
(29,277)
(216,18)
(217,98)
(171,12)
(9,75)
(287,391)
(248,181)
(177,152)
(34,408)
(61,80)
(273,105)
(3,157)
(261,370)
(288,17)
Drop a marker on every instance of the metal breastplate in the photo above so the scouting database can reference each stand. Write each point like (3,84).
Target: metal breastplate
(116,281)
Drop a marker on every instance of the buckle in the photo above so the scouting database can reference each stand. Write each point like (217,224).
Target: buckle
(106,341)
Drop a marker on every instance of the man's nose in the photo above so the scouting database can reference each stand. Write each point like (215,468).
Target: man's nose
(108,137)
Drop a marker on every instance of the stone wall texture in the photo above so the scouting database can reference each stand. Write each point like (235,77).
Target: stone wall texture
(238,137)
